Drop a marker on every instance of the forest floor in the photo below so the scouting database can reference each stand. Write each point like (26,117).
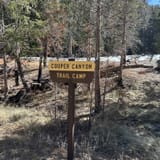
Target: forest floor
(128,129)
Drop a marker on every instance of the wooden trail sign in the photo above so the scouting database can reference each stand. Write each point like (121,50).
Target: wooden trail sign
(71,72)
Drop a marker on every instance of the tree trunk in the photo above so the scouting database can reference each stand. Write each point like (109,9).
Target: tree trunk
(97,62)
(70,51)
(40,70)
(20,69)
(89,49)
(123,52)
(4,56)
(21,74)
(5,76)
(16,74)
(45,54)
(90,34)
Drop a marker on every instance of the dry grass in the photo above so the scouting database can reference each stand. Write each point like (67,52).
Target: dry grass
(13,119)
(20,133)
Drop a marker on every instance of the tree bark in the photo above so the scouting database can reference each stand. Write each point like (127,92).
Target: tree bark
(20,69)
(45,54)
(39,70)
(70,51)
(16,74)
(4,55)
(97,62)
(5,76)
(21,73)
(123,52)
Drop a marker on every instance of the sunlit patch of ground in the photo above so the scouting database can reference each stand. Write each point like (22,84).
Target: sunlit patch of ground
(12,118)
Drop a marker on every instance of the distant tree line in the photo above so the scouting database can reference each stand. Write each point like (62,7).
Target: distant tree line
(66,27)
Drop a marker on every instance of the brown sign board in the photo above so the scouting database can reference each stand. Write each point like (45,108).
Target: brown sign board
(72,71)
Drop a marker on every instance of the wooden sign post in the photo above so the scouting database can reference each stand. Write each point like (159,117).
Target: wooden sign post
(71,72)
(71,120)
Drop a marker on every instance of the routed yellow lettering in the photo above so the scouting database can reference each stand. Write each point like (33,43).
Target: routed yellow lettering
(78,76)
(63,75)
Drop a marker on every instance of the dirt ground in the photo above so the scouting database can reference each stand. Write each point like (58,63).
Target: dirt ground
(128,129)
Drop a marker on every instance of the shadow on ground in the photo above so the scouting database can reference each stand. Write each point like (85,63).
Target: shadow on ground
(127,132)
(152,91)
(38,142)
(122,132)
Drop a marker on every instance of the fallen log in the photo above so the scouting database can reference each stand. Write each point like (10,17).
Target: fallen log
(137,66)
(115,70)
